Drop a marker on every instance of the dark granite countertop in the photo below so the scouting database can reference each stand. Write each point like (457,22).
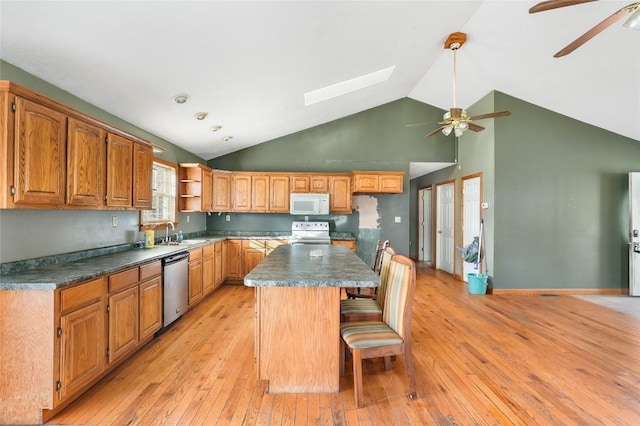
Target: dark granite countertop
(295,266)
(63,273)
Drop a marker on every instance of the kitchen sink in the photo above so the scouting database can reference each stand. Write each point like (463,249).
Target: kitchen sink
(193,241)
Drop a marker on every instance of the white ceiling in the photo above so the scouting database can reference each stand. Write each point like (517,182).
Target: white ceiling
(248,64)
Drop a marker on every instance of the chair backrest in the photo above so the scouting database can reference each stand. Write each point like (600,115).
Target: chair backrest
(377,261)
(385,264)
(399,299)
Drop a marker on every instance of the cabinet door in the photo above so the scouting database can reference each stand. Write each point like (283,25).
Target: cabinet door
(82,347)
(241,192)
(195,281)
(253,253)
(340,194)
(207,275)
(260,193)
(86,160)
(234,259)
(207,195)
(119,171)
(142,171)
(279,188)
(150,307)
(347,243)
(225,260)
(300,184)
(221,192)
(365,183)
(40,154)
(218,277)
(391,184)
(123,323)
(320,184)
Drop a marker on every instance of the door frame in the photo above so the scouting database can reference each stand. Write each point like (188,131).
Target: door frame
(422,244)
(462,215)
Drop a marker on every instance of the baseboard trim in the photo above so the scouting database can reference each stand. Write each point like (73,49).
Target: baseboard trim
(557,291)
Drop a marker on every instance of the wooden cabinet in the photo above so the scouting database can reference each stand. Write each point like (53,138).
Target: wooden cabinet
(279,194)
(241,192)
(86,162)
(218,262)
(82,336)
(221,191)
(195,276)
(260,191)
(195,188)
(142,176)
(207,190)
(208,269)
(378,182)
(340,194)
(234,260)
(319,184)
(119,171)
(253,252)
(123,322)
(300,184)
(40,157)
(347,243)
(150,307)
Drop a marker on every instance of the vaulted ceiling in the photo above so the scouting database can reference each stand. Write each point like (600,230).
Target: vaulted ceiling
(248,64)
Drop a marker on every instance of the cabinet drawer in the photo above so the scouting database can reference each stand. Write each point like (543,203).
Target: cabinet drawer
(123,279)
(150,270)
(82,295)
(195,254)
(207,250)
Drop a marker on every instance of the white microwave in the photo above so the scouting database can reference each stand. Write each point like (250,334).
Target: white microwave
(309,204)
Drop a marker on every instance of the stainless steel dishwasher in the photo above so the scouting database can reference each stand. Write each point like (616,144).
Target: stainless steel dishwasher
(175,278)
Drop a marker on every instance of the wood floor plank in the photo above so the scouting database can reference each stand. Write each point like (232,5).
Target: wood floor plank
(479,359)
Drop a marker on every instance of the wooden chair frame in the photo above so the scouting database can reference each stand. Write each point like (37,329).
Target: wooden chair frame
(404,348)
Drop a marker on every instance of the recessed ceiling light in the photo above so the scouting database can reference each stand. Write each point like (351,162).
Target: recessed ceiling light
(215,127)
(348,86)
(181,99)
(201,115)
(227,138)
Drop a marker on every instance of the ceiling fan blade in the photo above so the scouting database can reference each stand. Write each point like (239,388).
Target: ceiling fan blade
(490,115)
(475,127)
(416,124)
(606,23)
(554,4)
(436,131)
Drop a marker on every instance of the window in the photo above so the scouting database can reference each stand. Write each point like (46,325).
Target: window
(164,195)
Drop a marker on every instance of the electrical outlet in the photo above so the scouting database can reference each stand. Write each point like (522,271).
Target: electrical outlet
(114,221)
(398,219)
(227,218)
(188,218)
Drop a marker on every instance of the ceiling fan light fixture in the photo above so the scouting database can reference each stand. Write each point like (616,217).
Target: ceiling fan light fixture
(634,20)
(463,125)
(458,132)
(447,130)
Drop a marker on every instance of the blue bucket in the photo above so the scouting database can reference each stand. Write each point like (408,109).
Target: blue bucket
(477,283)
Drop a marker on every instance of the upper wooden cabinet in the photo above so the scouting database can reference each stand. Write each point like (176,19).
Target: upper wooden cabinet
(221,201)
(279,194)
(241,192)
(378,182)
(340,194)
(143,174)
(40,154)
(260,191)
(86,161)
(52,156)
(195,187)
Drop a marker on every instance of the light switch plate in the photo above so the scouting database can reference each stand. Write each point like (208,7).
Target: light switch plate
(398,219)
(114,221)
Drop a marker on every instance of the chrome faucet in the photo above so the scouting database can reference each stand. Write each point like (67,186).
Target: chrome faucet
(167,239)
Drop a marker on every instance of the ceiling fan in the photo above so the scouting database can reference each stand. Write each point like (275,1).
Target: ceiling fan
(633,22)
(457,119)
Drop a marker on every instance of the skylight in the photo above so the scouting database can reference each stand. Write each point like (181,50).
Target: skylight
(347,86)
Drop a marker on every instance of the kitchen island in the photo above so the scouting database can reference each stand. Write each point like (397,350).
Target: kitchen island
(298,314)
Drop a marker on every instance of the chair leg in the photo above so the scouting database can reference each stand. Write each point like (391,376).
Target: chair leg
(357,376)
(387,363)
(342,356)
(411,374)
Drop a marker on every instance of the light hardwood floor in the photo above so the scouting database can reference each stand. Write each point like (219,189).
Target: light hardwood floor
(480,360)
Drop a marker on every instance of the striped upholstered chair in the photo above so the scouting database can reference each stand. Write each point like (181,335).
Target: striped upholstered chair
(368,292)
(369,309)
(391,336)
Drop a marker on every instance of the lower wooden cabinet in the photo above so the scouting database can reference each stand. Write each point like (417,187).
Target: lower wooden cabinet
(81,333)
(208,269)
(150,307)
(195,276)
(123,323)
(351,244)
(234,260)
(218,262)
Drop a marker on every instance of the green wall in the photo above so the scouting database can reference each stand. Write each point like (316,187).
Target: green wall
(557,190)
(561,189)
(27,234)
(376,139)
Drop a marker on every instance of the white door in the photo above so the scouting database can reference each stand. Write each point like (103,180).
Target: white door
(634,234)
(445,237)
(470,219)
(424,231)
